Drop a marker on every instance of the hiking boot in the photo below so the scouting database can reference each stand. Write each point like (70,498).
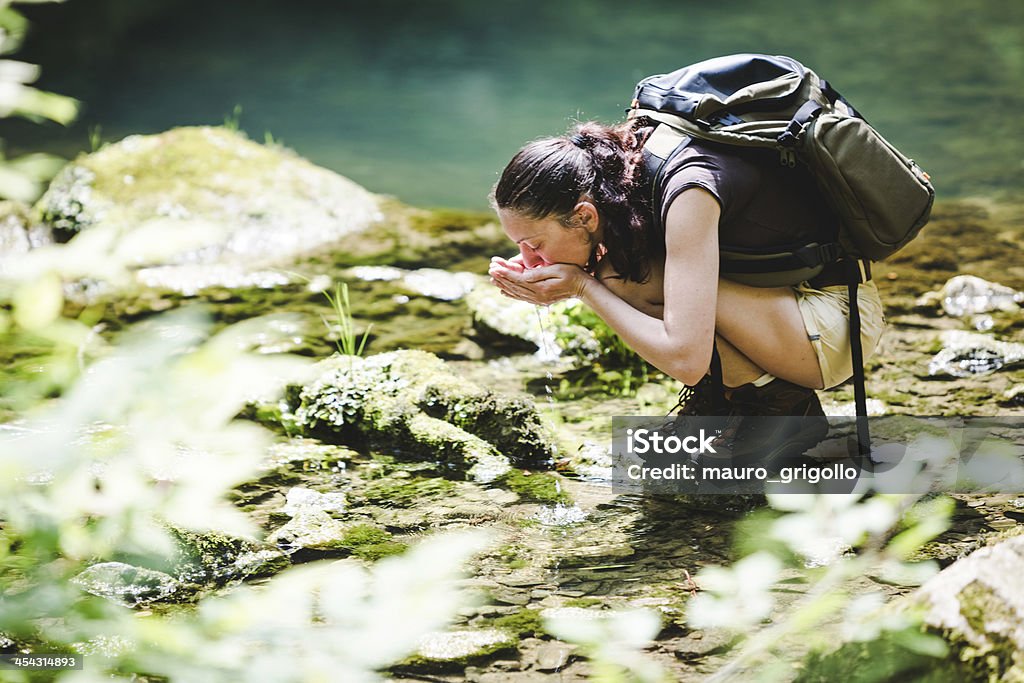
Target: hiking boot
(701,399)
(778,420)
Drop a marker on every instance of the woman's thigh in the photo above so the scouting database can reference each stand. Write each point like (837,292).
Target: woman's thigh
(765,324)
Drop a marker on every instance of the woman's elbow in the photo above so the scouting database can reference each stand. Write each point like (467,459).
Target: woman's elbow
(689,373)
(690,368)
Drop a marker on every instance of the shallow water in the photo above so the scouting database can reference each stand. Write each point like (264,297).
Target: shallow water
(427,101)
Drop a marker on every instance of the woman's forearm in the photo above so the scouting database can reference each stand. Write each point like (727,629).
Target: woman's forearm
(683,353)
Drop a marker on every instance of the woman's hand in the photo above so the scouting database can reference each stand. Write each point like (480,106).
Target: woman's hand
(542,285)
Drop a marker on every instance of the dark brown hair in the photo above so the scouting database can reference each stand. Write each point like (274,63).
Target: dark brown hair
(547,178)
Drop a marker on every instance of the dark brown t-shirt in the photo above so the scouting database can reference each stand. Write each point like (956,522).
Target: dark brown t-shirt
(763,203)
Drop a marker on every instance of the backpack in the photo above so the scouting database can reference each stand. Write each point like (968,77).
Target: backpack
(881,198)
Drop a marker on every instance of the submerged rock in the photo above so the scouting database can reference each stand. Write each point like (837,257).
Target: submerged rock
(204,196)
(965,354)
(409,401)
(128,585)
(969,295)
(203,560)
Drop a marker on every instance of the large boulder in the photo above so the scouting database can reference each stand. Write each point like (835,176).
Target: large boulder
(190,209)
(205,195)
(411,403)
(977,605)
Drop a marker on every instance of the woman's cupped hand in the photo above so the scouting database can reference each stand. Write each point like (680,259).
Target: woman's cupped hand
(541,285)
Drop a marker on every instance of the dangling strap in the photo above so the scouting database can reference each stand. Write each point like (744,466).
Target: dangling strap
(854,276)
(719,405)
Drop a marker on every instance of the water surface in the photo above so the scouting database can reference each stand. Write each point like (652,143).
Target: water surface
(427,101)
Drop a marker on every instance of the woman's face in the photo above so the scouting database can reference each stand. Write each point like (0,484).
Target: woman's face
(543,241)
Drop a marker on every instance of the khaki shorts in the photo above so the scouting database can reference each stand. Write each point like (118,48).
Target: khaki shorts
(826,317)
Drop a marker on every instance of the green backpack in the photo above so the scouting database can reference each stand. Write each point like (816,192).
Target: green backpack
(881,197)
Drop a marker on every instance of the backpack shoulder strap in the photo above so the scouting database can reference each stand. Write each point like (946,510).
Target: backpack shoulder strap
(662,146)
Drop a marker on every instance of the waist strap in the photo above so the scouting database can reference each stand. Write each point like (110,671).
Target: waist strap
(835,273)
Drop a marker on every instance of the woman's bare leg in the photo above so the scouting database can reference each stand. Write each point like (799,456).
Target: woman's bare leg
(737,369)
(764,325)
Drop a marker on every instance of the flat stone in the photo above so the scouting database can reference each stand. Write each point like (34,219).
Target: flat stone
(522,579)
(699,644)
(511,597)
(552,656)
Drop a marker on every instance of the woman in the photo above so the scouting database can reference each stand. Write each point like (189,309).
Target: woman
(577,207)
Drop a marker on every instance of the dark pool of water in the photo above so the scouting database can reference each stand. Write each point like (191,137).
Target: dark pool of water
(428,100)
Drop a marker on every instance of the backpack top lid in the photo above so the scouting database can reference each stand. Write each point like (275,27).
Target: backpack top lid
(719,82)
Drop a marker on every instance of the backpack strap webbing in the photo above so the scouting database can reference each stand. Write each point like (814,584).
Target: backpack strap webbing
(858,271)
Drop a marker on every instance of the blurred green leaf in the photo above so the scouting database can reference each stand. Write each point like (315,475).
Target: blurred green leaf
(36,105)
(39,302)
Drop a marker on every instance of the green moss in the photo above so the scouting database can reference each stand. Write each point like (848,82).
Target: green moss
(394,492)
(584,602)
(538,487)
(893,656)
(371,543)
(526,623)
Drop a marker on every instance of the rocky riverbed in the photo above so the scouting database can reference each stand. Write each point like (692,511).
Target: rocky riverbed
(499,416)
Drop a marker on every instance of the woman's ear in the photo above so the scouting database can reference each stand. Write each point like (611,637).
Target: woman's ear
(586,215)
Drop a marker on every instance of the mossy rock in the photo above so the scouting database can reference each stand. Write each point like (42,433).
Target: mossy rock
(19,231)
(213,558)
(454,650)
(410,403)
(535,487)
(205,195)
(315,530)
(409,237)
(974,606)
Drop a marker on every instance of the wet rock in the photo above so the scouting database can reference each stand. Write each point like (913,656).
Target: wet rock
(200,197)
(301,454)
(429,282)
(310,529)
(211,558)
(1013,397)
(552,656)
(462,647)
(977,606)
(560,514)
(696,645)
(965,354)
(410,402)
(546,330)
(522,579)
(315,530)
(570,613)
(128,585)
(300,500)
(19,234)
(966,295)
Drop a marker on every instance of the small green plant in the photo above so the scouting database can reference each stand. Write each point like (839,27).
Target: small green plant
(617,369)
(346,343)
(95,137)
(233,120)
